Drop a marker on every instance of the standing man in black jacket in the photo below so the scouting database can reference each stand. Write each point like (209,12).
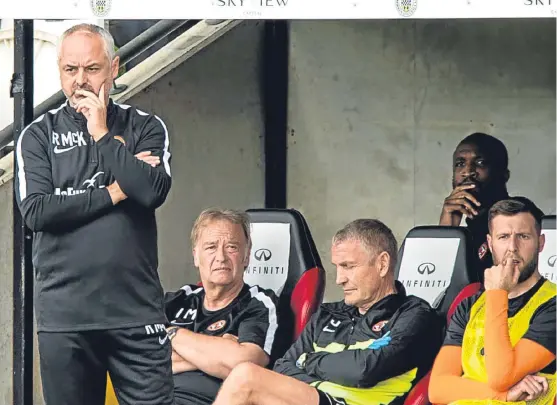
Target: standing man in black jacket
(371,348)
(89,177)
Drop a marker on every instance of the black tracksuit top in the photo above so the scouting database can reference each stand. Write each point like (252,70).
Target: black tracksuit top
(95,262)
(337,341)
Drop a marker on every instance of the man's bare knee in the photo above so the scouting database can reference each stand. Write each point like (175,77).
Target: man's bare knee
(240,383)
(244,374)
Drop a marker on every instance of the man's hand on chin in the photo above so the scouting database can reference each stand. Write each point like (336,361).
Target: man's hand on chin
(94,110)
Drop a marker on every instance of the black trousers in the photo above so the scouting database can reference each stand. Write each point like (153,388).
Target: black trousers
(74,366)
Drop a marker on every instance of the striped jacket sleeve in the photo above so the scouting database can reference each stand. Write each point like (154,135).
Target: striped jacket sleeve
(41,209)
(412,339)
(261,321)
(141,182)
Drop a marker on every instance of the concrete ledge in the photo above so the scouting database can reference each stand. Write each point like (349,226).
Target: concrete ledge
(153,68)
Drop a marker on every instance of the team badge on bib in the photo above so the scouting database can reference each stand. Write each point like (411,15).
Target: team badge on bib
(378,326)
(217,326)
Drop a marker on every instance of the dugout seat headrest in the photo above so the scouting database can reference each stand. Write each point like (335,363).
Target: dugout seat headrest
(284,258)
(548,255)
(435,263)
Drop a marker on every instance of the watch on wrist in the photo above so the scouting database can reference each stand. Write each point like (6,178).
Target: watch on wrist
(171,332)
(301,362)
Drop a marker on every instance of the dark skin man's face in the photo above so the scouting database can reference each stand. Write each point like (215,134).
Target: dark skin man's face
(472,165)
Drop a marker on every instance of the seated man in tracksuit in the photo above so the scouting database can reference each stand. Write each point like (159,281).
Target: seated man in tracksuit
(370,348)
(500,344)
(215,327)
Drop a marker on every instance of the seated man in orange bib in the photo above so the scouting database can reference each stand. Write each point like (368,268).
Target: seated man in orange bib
(500,344)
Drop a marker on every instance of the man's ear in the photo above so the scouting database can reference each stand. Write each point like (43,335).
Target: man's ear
(506,175)
(489,243)
(115,67)
(541,242)
(246,257)
(383,261)
(195,258)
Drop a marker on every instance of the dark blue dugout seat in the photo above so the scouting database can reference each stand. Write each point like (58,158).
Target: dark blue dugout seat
(548,255)
(284,258)
(435,263)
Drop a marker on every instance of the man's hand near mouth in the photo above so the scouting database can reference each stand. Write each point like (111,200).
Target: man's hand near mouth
(460,202)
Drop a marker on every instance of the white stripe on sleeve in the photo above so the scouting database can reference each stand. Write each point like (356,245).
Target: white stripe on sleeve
(165,152)
(273,325)
(19,154)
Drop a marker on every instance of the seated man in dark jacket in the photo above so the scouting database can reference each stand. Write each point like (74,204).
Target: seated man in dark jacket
(370,348)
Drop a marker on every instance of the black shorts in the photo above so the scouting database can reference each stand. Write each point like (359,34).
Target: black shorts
(74,366)
(326,399)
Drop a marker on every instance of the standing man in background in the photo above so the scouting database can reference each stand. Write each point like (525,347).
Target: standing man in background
(480,176)
(89,177)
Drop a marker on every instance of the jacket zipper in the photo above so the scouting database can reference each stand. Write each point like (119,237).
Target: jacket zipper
(94,153)
(347,345)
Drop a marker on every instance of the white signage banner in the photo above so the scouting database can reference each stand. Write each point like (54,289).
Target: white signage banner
(279,9)
(427,266)
(270,253)
(548,255)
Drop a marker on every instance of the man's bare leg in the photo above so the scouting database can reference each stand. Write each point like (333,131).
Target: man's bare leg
(249,384)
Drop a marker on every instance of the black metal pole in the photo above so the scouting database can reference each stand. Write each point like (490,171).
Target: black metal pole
(275,106)
(126,53)
(22,93)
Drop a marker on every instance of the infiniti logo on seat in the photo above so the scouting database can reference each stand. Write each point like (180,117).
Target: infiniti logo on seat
(424,268)
(263,255)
